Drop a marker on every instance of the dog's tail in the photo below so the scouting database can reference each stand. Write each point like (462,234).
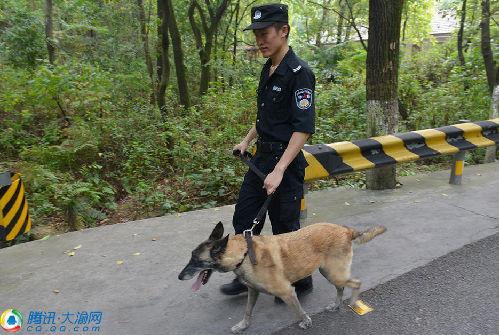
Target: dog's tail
(367,235)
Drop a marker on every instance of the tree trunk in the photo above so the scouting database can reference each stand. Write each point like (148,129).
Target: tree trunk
(460,34)
(339,26)
(491,70)
(49,30)
(324,15)
(488,56)
(162,60)
(490,155)
(205,57)
(406,18)
(144,35)
(382,80)
(178,54)
(208,28)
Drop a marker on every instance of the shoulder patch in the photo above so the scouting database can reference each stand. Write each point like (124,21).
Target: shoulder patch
(303,98)
(296,69)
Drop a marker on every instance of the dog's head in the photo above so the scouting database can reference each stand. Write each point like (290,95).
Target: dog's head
(206,258)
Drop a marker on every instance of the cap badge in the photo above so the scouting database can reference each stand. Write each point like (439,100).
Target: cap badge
(257,15)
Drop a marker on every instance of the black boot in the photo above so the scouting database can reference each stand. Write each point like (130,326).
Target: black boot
(234,287)
(302,287)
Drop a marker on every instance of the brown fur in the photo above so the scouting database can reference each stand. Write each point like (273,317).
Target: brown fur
(283,259)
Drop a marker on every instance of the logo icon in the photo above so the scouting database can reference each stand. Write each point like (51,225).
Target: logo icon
(11,320)
(258,15)
(304,98)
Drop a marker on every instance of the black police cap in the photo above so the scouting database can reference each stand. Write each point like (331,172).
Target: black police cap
(265,15)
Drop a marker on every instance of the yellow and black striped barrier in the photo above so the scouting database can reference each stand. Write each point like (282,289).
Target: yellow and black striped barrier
(14,216)
(326,160)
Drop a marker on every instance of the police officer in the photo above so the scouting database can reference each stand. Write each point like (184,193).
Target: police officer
(284,122)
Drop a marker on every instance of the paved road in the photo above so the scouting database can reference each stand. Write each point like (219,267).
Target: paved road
(454,294)
(427,218)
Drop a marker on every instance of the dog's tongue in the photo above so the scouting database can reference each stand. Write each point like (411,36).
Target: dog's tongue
(198,282)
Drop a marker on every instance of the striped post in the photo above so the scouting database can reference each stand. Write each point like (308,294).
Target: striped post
(456,173)
(14,217)
(303,206)
(4,181)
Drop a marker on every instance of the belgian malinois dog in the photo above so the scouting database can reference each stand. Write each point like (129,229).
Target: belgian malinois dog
(280,261)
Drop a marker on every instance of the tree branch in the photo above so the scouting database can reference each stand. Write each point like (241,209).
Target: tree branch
(195,29)
(350,19)
(355,26)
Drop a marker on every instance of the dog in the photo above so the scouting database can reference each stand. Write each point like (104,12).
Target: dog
(280,261)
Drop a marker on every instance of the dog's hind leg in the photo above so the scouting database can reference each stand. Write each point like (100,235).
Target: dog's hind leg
(340,287)
(293,303)
(245,322)
(339,298)
(354,284)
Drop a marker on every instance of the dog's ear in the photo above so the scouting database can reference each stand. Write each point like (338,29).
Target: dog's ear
(217,232)
(219,247)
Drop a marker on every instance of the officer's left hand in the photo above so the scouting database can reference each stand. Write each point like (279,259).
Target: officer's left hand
(272,181)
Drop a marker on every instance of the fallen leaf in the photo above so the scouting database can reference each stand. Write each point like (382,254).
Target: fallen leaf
(56,291)
(445,195)
(77,247)
(154,239)
(347,203)
(372,201)
(45,238)
(136,254)
(72,253)
(119,262)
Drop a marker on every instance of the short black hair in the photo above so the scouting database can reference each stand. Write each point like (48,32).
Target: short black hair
(279,25)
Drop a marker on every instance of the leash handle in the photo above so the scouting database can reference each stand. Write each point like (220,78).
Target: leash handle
(245,157)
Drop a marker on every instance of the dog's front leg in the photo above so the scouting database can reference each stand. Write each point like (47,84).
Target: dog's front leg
(294,304)
(245,322)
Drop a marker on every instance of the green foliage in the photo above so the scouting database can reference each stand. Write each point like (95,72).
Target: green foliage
(22,39)
(91,146)
(437,92)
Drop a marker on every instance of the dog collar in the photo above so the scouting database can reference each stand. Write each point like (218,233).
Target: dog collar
(241,262)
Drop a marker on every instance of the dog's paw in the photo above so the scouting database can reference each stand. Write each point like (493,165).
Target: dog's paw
(240,327)
(306,323)
(333,308)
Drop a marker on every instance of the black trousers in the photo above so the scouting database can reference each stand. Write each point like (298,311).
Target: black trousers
(284,209)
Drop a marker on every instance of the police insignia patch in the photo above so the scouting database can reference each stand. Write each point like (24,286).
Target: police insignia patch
(303,98)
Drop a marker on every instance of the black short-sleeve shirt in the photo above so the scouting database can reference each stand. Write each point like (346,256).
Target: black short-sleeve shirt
(286,101)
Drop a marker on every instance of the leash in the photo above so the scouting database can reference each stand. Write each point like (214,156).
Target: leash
(248,233)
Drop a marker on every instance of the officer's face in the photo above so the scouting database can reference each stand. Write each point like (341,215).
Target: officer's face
(270,40)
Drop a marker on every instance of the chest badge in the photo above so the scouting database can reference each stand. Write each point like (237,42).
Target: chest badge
(276,88)
(303,98)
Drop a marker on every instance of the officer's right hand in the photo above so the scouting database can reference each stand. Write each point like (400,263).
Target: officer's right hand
(241,147)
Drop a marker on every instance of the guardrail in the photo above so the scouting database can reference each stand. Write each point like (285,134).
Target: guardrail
(327,160)
(14,216)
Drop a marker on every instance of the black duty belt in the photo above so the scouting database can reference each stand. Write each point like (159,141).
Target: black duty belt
(263,146)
